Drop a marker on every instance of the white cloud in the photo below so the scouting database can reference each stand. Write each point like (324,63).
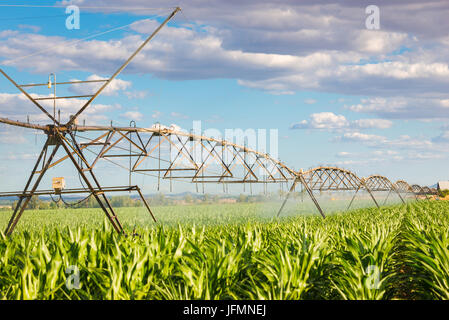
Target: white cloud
(379,41)
(280,47)
(132,115)
(8,33)
(404,107)
(378,156)
(18,107)
(92,87)
(372,123)
(407,142)
(425,156)
(303,47)
(331,122)
(181,53)
(322,120)
(175,127)
(399,70)
(395,147)
(362,137)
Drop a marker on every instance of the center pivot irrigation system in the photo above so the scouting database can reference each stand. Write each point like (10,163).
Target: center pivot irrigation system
(167,153)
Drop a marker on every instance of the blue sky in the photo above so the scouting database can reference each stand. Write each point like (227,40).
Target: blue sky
(373,101)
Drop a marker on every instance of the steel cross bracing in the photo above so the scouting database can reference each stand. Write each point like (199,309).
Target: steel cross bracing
(63,138)
(416,189)
(327,179)
(337,179)
(381,183)
(426,191)
(167,154)
(175,155)
(181,155)
(423,191)
(231,163)
(403,187)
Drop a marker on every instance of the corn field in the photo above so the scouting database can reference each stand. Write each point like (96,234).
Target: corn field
(398,252)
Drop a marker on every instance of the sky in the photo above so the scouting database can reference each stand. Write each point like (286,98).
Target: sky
(374,101)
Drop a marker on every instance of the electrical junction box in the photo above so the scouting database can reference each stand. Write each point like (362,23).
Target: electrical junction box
(58,184)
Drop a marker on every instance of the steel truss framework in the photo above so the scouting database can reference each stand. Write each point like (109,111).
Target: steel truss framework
(423,191)
(179,155)
(176,155)
(337,179)
(325,179)
(381,183)
(169,154)
(62,137)
(403,187)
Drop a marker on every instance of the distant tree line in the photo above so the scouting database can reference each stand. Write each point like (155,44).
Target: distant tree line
(159,199)
(37,203)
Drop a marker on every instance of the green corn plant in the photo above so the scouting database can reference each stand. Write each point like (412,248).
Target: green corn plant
(427,245)
(229,252)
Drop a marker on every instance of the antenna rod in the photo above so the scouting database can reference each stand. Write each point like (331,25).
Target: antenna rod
(123,66)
